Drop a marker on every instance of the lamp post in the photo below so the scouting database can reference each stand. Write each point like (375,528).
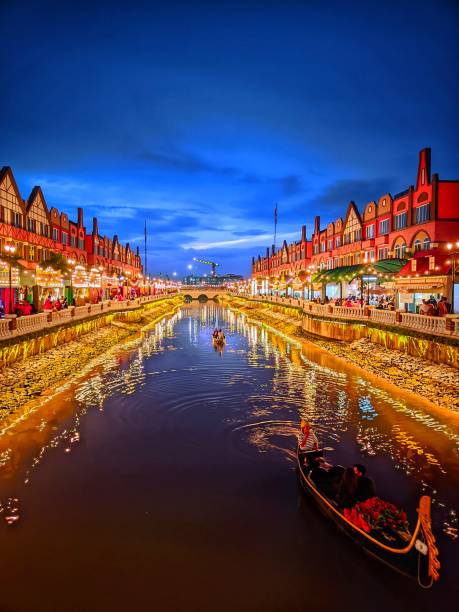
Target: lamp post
(71,263)
(454,250)
(10,249)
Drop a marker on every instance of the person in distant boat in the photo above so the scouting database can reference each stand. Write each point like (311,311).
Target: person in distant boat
(221,335)
(215,334)
(365,486)
(307,439)
(347,490)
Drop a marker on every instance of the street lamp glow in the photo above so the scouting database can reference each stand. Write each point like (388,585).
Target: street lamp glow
(190,267)
(174,273)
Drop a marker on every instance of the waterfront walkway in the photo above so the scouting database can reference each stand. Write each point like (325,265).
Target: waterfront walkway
(20,326)
(438,326)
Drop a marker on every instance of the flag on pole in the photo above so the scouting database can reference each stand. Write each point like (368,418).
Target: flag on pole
(145,268)
(275,224)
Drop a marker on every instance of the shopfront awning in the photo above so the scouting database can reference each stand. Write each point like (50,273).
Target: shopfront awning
(385,268)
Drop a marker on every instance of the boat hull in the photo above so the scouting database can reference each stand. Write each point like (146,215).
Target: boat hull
(408,562)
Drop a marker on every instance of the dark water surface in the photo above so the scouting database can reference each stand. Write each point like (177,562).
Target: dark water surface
(163,480)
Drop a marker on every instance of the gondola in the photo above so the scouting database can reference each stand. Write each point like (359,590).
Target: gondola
(219,341)
(417,558)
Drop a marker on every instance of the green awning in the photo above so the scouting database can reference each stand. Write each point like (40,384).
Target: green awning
(348,273)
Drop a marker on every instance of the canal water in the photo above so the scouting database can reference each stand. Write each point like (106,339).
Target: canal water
(164,479)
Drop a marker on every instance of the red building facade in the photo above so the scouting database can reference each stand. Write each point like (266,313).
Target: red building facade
(422,218)
(287,267)
(34,231)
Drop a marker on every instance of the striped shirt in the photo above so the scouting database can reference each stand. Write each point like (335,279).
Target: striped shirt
(310,443)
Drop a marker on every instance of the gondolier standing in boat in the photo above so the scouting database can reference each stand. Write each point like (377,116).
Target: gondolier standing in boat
(307,439)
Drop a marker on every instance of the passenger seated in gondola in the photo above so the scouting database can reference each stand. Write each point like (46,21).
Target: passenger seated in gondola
(220,335)
(326,477)
(365,486)
(215,334)
(347,490)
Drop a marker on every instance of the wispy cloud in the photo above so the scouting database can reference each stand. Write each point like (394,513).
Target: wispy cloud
(255,239)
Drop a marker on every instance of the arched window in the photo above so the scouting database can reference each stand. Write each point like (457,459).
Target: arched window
(426,244)
(398,251)
(417,246)
(403,250)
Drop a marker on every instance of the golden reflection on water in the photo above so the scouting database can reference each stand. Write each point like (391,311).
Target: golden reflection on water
(289,382)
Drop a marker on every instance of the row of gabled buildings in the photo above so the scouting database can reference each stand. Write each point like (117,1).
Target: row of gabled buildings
(99,266)
(401,230)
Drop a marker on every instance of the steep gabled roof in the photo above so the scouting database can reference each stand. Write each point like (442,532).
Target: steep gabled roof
(7,172)
(34,194)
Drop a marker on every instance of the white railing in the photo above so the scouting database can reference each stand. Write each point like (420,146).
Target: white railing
(440,326)
(30,323)
(4,328)
(351,312)
(47,319)
(436,325)
(387,317)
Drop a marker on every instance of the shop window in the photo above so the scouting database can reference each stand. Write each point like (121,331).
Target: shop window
(384,227)
(44,229)
(400,221)
(426,244)
(55,234)
(417,246)
(65,238)
(383,253)
(422,213)
(31,225)
(338,241)
(370,231)
(400,251)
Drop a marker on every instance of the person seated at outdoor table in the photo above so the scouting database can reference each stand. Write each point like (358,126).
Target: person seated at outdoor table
(48,305)
(347,489)
(426,308)
(65,303)
(443,307)
(58,304)
(365,486)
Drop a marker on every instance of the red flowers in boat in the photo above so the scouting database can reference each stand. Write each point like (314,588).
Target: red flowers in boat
(375,514)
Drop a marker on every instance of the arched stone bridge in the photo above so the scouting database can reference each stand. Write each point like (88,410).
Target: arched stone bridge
(202,294)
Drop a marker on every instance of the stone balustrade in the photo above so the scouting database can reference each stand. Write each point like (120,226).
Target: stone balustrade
(19,326)
(440,326)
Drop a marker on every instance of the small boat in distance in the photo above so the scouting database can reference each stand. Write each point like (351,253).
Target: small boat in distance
(417,558)
(218,338)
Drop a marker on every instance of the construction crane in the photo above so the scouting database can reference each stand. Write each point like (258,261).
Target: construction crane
(208,263)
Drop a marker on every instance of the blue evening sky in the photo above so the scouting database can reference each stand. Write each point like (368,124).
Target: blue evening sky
(199,116)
